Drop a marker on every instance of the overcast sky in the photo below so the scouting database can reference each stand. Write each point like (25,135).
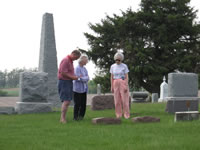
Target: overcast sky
(21,22)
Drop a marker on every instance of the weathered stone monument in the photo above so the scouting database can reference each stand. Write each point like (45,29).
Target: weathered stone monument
(98,89)
(33,93)
(154,97)
(182,92)
(48,58)
(140,96)
(102,102)
(163,91)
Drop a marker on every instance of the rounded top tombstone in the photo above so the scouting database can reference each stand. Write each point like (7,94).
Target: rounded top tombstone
(163,90)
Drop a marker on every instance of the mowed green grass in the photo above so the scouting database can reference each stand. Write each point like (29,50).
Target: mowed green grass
(44,132)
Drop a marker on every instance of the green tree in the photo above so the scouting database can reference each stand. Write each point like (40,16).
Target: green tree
(92,87)
(162,37)
(2,79)
(3,93)
(11,79)
(104,81)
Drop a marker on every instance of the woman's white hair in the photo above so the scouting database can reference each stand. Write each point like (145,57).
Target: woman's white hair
(119,55)
(82,58)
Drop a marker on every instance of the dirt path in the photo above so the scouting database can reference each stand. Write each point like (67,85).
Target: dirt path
(8,101)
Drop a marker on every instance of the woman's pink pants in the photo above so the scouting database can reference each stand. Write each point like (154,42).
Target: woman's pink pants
(121,98)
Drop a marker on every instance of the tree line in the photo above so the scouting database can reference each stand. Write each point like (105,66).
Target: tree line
(161,37)
(10,79)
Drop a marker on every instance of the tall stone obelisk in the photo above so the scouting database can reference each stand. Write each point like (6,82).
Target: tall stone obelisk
(48,58)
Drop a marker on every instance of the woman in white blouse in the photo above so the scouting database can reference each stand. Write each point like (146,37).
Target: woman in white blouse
(119,86)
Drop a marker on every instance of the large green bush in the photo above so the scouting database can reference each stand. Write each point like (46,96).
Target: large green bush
(3,93)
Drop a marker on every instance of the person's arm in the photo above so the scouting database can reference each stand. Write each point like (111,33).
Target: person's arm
(111,81)
(126,82)
(64,70)
(126,75)
(86,77)
(126,78)
(64,74)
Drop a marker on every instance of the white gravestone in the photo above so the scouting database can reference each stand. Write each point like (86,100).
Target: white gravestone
(98,89)
(163,91)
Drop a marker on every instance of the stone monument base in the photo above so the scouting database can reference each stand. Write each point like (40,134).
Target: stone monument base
(161,100)
(32,107)
(178,104)
(186,115)
(7,110)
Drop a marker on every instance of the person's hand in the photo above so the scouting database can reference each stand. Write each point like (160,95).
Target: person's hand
(112,89)
(75,78)
(125,90)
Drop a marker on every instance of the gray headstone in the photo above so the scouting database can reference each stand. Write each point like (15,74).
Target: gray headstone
(33,87)
(98,89)
(182,92)
(48,58)
(140,96)
(182,85)
(154,97)
(102,102)
(33,93)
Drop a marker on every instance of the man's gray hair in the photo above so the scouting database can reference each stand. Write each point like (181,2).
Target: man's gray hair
(83,57)
(119,55)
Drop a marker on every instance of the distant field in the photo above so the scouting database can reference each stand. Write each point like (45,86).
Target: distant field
(14,92)
(11,92)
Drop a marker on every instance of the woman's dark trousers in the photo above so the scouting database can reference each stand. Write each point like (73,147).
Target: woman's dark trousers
(80,100)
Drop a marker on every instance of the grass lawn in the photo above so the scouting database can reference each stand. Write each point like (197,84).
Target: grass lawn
(44,132)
